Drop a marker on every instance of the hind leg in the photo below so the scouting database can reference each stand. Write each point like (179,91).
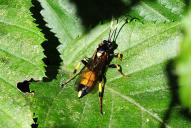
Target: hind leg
(101,86)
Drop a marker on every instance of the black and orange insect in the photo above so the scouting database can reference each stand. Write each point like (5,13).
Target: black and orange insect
(95,68)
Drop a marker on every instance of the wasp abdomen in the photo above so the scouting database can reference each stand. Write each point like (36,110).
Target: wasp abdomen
(87,81)
(88,78)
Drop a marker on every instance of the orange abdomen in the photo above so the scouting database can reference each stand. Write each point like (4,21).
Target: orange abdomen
(88,78)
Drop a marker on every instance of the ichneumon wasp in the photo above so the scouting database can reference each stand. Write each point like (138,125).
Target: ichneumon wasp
(95,68)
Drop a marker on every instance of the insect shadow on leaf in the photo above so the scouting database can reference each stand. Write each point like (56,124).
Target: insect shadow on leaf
(35,124)
(24,86)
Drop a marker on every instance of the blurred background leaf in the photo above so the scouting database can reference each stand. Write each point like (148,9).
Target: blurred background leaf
(143,98)
(20,59)
(183,63)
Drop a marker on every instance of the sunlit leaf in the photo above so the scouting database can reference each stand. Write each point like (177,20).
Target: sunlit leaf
(143,98)
(20,59)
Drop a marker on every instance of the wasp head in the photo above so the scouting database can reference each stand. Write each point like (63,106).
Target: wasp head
(108,46)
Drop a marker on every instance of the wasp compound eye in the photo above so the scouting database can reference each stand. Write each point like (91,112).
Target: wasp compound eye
(115,45)
(105,41)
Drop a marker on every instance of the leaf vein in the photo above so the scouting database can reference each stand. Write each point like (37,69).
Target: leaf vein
(16,56)
(2,79)
(21,27)
(50,106)
(155,11)
(153,36)
(148,91)
(132,101)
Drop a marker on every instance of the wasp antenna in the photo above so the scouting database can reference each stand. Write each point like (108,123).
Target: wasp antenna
(114,31)
(114,36)
(110,30)
(126,21)
(109,38)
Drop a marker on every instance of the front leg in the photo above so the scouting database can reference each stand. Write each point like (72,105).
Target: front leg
(119,56)
(85,61)
(72,77)
(119,68)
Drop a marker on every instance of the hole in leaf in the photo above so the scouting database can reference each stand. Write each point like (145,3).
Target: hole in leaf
(35,124)
(24,86)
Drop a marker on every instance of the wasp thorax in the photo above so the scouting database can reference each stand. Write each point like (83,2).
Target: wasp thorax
(99,54)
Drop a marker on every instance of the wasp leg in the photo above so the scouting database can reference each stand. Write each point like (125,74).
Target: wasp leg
(85,61)
(101,92)
(119,56)
(76,68)
(119,68)
(66,82)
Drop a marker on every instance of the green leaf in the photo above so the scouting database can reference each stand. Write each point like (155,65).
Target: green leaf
(21,57)
(183,65)
(20,40)
(60,17)
(142,99)
(14,110)
(159,11)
